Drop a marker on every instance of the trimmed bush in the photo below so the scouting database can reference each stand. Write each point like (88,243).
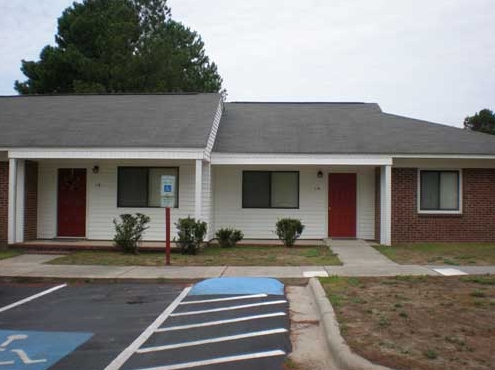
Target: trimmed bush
(288,230)
(228,237)
(191,234)
(129,231)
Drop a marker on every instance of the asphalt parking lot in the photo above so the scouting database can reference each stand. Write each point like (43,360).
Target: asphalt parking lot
(217,324)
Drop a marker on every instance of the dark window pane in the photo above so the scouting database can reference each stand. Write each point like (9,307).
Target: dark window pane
(285,189)
(132,187)
(256,189)
(430,184)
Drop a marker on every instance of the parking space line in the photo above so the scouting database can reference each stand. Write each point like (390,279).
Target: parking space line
(219,360)
(31,298)
(226,299)
(212,340)
(220,322)
(119,361)
(228,308)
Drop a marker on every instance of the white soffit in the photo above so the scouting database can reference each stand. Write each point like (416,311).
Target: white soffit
(299,159)
(106,153)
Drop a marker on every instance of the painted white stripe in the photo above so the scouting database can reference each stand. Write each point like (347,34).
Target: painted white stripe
(33,297)
(228,308)
(226,299)
(219,360)
(221,322)
(212,340)
(449,271)
(138,342)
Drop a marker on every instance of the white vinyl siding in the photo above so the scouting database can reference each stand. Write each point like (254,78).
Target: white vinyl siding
(221,206)
(313,202)
(366,203)
(207,204)
(102,198)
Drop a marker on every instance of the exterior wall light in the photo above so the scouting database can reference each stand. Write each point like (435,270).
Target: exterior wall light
(319,174)
(96,169)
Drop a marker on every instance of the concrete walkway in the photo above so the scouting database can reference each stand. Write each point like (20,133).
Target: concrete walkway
(358,257)
(358,252)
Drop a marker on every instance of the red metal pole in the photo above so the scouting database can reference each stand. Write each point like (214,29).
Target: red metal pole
(167,235)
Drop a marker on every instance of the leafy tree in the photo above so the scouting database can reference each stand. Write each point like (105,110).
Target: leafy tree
(107,46)
(484,121)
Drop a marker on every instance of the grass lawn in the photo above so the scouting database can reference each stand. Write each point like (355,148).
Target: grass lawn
(441,254)
(425,323)
(210,256)
(7,253)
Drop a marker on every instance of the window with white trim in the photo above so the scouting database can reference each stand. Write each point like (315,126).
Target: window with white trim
(439,191)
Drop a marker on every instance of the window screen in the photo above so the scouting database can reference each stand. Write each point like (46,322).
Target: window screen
(140,186)
(155,182)
(265,189)
(439,190)
(285,192)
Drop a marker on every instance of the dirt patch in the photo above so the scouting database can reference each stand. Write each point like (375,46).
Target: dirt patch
(420,323)
(476,254)
(211,256)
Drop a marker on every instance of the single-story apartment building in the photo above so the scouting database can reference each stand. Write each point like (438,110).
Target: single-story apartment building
(71,164)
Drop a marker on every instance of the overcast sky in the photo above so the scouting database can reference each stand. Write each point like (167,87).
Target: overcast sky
(433,60)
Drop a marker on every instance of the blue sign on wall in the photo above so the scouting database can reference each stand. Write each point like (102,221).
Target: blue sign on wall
(36,350)
(167,188)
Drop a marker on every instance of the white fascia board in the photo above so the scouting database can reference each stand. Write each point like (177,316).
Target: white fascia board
(445,156)
(106,153)
(300,159)
(213,132)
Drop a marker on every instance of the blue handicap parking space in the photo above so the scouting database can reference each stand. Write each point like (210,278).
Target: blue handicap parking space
(36,350)
(238,285)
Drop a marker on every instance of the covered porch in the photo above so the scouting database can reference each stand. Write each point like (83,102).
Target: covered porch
(335,196)
(73,196)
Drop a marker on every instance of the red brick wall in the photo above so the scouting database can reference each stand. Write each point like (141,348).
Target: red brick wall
(476,224)
(4,200)
(377,204)
(31,201)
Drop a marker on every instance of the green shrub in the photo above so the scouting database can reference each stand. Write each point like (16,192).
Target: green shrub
(288,230)
(228,237)
(191,234)
(129,231)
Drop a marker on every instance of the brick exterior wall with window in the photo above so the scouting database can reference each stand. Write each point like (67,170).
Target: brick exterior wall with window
(4,202)
(31,201)
(475,224)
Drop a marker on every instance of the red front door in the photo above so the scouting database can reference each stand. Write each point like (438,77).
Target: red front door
(71,202)
(342,205)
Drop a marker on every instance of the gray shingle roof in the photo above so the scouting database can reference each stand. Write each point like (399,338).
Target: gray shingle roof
(339,128)
(185,121)
(149,120)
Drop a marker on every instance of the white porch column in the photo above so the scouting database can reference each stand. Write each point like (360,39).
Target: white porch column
(20,200)
(386,205)
(198,189)
(12,200)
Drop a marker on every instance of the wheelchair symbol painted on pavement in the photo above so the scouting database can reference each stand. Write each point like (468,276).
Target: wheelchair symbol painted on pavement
(36,350)
(22,355)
